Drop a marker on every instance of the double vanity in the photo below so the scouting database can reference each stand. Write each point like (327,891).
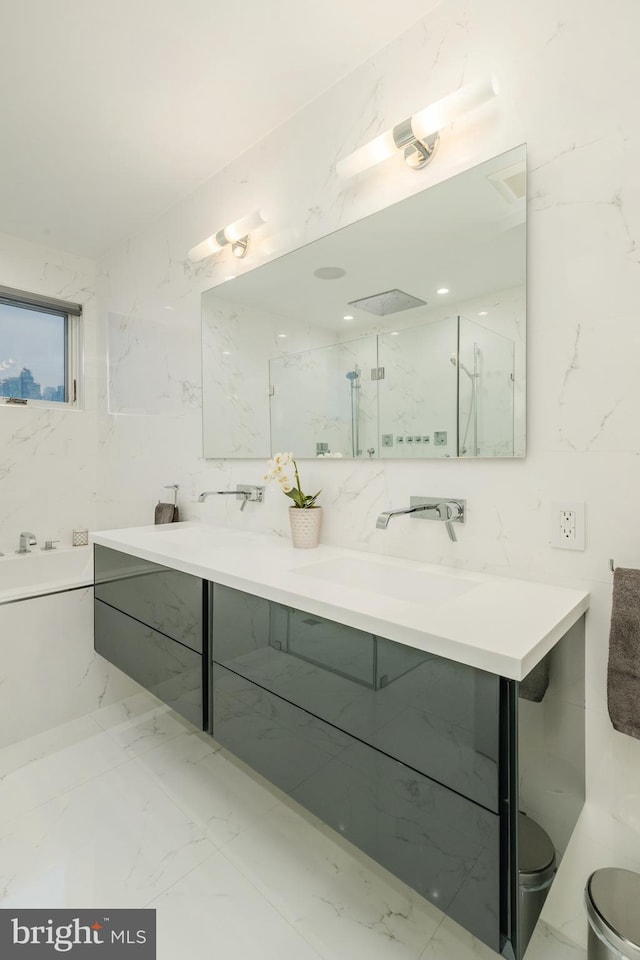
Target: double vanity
(415,709)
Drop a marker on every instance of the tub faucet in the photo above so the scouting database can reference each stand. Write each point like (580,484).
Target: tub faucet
(26,540)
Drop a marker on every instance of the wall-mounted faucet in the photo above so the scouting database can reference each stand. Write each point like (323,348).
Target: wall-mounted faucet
(428,508)
(26,540)
(246,492)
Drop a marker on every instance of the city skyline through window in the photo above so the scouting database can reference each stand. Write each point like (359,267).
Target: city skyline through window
(33,353)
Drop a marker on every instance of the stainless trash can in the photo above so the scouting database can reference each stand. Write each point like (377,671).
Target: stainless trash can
(612,899)
(537,866)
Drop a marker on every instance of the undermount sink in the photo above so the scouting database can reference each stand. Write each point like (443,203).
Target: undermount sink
(416,586)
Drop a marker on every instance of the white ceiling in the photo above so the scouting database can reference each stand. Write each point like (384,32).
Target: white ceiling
(114,110)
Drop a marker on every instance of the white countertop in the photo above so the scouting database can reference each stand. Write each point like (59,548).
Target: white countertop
(495,623)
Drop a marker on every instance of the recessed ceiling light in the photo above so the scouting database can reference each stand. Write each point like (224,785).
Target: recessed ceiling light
(226,353)
(283,336)
(168,307)
(347,316)
(395,333)
(442,290)
(329,273)
(483,313)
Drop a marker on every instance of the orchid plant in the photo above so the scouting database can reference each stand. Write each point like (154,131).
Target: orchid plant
(284,470)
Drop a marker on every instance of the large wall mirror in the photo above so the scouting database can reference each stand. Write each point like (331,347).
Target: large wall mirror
(399,336)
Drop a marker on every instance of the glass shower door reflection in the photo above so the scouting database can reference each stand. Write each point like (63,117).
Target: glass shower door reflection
(485,392)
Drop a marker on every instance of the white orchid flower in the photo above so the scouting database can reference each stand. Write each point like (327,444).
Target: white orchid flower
(280,468)
(282,459)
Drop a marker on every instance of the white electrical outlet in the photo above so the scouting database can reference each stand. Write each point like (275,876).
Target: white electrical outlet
(568,526)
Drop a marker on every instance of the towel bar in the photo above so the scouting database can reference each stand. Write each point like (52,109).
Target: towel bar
(175,487)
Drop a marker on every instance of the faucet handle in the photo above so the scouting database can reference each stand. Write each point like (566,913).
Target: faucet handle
(449,510)
(49,544)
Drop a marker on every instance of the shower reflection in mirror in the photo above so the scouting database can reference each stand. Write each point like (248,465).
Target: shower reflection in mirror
(472,405)
(443,388)
(353,376)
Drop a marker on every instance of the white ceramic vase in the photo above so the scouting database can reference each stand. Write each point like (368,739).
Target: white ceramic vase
(305,526)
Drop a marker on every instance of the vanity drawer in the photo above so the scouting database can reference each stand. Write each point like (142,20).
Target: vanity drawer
(432,714)
(441,844)
(163,666)
(168,600)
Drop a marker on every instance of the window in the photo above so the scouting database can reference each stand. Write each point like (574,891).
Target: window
(39,340)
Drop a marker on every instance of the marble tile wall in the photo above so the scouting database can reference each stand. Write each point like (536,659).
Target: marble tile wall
(48,457)
(563,93)
(46,645)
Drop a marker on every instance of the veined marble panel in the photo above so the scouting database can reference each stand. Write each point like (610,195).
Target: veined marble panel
(110,840)
(50,671)
(141,383)
(342,903)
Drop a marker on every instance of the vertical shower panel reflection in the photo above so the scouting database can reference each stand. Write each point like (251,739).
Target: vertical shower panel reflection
(486,379)
(353,376)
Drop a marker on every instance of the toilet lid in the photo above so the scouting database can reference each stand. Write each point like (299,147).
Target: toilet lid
(535,850)
(615,895)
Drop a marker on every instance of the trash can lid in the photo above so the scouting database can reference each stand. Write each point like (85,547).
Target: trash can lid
(615,896)
(535,850)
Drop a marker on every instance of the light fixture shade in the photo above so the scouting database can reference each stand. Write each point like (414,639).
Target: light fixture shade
(204,249)
(235,231)
(240,228)
(373,152)
(422,125)
(444,112)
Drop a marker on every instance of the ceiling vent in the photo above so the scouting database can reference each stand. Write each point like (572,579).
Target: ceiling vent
(391,301)
(511,183)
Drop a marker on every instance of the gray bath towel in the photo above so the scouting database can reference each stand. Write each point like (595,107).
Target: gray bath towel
(534,686)
(623,678)
(165,513)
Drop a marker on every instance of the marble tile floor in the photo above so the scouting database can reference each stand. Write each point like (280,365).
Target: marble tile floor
(132,806)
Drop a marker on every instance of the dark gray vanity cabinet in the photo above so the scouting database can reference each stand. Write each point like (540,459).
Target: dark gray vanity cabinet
(404,753)
(149,622)
(422,762)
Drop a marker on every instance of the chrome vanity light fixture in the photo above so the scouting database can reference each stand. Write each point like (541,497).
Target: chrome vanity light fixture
(236,233)
(419,134)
